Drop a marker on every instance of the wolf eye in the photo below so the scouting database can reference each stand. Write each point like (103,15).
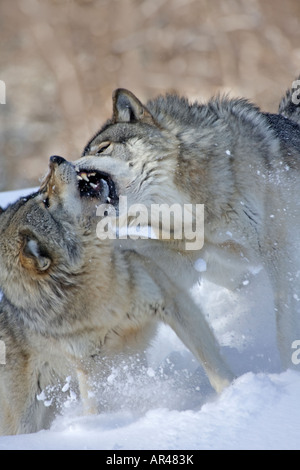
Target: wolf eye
(103,146)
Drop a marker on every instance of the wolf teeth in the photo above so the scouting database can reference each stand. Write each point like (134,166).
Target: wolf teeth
(84,176)
(94,186)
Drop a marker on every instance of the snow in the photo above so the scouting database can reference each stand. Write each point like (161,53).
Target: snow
(200,265)
(169,404)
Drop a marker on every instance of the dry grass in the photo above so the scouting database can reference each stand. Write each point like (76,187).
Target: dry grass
(61,60)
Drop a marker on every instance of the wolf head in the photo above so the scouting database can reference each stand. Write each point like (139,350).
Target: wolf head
(143,155)
(47,249)
(134,152)
(168,150)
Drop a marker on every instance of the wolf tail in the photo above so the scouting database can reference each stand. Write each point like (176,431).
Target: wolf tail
(290,104)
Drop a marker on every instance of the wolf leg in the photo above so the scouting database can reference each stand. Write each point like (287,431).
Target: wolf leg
(86,392)
(188,322)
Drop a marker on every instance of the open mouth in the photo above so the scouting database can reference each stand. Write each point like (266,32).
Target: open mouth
(95,184)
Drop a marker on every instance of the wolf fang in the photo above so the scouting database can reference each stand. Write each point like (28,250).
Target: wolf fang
(133,226)
(118,460)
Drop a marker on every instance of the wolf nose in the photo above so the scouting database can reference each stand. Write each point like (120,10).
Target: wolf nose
(57,160)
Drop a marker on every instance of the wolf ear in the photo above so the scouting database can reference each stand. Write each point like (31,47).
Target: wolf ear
(33,255)
(127,108)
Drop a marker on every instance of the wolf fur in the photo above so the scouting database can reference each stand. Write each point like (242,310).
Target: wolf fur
(71,303)
(241,163)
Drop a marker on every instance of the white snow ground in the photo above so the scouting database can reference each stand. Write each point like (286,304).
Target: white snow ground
(169,405)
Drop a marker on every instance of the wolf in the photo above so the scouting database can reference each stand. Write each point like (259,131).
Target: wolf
(71,303)
(241,163)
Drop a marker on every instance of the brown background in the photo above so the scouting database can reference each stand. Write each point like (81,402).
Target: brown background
(61,60)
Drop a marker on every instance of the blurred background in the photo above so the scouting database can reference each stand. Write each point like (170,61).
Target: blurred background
(61,60)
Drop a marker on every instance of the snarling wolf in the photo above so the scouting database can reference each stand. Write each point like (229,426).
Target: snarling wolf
(72,302)
(242,164)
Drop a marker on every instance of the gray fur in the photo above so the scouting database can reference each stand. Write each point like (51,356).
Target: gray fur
(241,163)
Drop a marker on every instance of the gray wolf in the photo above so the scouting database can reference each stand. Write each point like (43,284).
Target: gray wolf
(72,303)
(241,163)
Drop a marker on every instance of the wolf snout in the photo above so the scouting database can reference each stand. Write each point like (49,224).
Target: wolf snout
(62,170)
(57,160)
